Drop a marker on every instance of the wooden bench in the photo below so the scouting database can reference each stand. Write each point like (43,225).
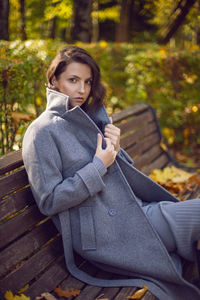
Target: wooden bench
(31,254)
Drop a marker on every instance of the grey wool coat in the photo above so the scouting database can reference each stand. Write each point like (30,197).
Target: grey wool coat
(95,208)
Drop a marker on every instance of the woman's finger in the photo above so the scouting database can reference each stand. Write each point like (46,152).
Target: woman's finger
(108,142)
(112,129)
(99,141)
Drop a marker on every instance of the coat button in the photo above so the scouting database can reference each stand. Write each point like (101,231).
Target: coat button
(112,212)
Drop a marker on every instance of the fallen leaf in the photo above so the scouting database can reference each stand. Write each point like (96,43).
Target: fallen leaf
(175,180)
(67,293)
(139,294)
(23,289)
(9,295)
(46,296)
(195,178)
(21,297)
(99,297)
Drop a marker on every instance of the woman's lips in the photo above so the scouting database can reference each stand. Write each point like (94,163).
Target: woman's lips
(79,99)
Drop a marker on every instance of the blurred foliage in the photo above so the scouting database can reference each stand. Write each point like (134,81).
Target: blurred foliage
(145,18)
(39,15)
(166,78)
(169,80)
(188,31)
(21,81)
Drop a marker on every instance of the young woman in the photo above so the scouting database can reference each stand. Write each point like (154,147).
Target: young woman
(107,211)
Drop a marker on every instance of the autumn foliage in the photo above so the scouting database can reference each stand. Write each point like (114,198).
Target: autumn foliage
(167,78)
(176,180)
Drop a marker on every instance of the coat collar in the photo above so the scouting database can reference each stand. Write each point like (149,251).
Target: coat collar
(59,102)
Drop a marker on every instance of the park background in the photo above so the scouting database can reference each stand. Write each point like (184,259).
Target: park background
(148,50)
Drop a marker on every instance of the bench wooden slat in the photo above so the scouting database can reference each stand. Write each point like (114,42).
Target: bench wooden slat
(149,296)
(133,110)
(86,291)
(15,181)
(161,162)
(89,292)
(125,292)
(134,137)
(147,143)
(148,156)
(16,202)
(190,195)
(10,161)
(138,121)
(108,293)
(72,282)
(26,246)
(18,225)
(49,280)
(37,263)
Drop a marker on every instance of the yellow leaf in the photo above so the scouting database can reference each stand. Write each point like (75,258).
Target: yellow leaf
(163,146)
(139,294)
(21,297)
(23,289)
(100,297)
(176,181)
(172,174)
(9,295)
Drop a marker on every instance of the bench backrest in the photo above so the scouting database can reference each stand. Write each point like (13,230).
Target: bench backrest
(141,137)
(31,249)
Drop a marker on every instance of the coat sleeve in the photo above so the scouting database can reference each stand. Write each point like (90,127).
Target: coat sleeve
(52,192)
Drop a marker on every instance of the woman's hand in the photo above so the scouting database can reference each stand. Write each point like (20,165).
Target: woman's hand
(113,133)
(108,154)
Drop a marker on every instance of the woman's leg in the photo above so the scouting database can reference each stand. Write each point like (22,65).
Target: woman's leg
(183,219)
(160,224)
(177,224)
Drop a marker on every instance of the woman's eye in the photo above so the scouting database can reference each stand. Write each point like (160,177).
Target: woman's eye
(89,82)
(74,80)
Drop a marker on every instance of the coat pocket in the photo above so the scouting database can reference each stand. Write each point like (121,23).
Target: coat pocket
(88,238)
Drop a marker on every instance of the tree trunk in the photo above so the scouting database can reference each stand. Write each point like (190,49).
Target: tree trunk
(82,22)
(178,16)
(53,28)
(4,15)
(23,23)
(95,21)
(198,25)
(123,32)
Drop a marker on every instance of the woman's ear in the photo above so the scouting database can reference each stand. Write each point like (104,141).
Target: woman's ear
(53,81)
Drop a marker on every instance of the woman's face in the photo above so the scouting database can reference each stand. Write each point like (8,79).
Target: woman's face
(75,82)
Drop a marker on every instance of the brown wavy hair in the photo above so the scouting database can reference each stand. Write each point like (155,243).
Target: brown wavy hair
(76,54)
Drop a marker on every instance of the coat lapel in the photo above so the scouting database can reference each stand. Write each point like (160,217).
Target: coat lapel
(144,188)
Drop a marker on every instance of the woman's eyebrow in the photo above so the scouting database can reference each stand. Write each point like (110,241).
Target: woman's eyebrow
(76,76)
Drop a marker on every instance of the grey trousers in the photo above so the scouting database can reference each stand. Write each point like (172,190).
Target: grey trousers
(177,224)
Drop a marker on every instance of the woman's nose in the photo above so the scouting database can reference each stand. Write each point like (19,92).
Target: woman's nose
(82,87)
